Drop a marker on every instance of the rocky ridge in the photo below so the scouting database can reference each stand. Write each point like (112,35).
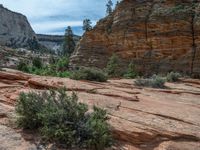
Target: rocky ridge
(53,42)
(141,118)
(15,30)
(157,35)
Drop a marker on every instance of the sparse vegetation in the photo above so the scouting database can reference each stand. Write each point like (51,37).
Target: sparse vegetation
(62,64)
(58,69)
(155,82)
(131,71)
(91,74)
(62,119)
(37,62)
(173,77)
(112,68)
(23,66)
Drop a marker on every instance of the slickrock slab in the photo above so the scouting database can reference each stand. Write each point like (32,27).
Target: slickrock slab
(141,118)
(17,75)
(10,140)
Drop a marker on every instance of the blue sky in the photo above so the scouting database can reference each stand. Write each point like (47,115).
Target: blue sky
(53,16)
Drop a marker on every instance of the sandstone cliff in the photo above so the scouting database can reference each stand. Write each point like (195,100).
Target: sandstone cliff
(15,30)
(158,35)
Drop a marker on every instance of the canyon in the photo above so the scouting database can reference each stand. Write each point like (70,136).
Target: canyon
(158,36)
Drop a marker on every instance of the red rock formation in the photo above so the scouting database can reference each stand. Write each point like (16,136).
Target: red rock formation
(141,118)
(157,35)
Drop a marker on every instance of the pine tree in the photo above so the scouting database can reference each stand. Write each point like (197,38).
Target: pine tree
(109,7)
(69,44)
(87,25)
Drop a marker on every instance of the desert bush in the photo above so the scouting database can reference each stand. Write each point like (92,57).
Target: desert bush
(131,71)
(37,62)
(28,107)
(62,64)
(154,82)
(173,77)
(112,67)
(62,119)
(23,66)
(63,74)
(57,69)
(98,130)
(91,74)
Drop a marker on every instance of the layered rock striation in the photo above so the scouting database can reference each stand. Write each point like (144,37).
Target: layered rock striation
(158,35)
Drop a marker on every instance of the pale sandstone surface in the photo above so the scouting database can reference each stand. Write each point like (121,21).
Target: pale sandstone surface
(141,118)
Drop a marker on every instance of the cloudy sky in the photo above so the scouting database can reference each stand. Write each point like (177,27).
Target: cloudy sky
(53,16)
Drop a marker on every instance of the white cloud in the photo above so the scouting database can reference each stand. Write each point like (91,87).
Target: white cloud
(49,25)
(42,13)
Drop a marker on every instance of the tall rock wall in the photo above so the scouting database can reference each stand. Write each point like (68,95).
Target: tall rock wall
(158,35)
(15,30)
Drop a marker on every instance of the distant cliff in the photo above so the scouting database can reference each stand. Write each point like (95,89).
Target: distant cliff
(53,42)
(15,30)
(158,35)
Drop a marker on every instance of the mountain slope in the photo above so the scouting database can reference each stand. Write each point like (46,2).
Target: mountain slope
(15,30)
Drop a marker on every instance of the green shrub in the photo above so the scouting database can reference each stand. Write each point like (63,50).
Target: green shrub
(131,72)
(62,119)
(23,66)
(154,82)
(58,69)
(37,62)
(98,129)
(91,74)
(173,77)
(28,107)
(63,74)
(62,64)
(112,68)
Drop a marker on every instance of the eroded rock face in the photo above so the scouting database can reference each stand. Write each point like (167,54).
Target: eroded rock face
(15,30)
(141,118)
(159,36)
